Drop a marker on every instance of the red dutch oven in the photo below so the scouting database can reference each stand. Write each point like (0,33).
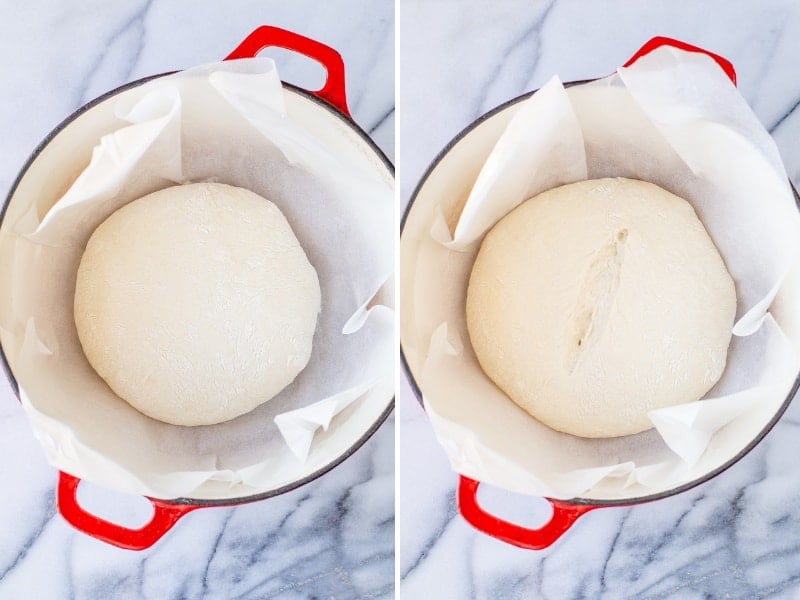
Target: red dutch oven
(445,177)
(326,112)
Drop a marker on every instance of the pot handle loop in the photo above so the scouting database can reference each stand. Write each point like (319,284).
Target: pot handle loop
(333,91)
(659,41)
(564,515)
(165,515)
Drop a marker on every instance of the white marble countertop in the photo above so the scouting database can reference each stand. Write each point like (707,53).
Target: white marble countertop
(736,536)
(332,538)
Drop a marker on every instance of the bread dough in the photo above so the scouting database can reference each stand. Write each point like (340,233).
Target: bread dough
(196,303)
(593,303)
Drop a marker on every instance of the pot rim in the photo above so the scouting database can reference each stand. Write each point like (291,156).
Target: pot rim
(6,367)
(578,500)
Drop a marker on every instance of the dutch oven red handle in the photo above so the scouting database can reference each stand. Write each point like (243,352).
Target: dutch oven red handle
(564,515)
(165,515)
(333,91)
(658,42)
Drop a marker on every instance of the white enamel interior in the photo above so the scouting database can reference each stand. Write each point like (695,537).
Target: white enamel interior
(426,275)
(68,152)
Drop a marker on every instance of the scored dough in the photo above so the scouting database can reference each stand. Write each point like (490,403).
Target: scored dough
(196,303)
(593,303)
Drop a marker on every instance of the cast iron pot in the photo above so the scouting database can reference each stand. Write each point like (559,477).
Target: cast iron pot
(449,166)
(324,110)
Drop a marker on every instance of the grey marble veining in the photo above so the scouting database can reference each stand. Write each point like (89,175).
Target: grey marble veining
(737,536)
(332,538)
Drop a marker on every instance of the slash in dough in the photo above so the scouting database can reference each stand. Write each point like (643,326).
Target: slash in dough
(196,303)
(595,302)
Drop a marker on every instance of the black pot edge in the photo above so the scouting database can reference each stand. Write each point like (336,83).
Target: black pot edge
(586,501)
(335,112)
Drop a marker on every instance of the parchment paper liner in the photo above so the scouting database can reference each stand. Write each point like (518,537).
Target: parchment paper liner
(223,122)
(674,119)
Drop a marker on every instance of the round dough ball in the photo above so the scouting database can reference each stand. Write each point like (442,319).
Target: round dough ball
(196,303)
(593,303)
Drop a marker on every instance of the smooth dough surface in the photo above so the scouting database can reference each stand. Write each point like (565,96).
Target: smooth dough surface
(593,303)
(196,303)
